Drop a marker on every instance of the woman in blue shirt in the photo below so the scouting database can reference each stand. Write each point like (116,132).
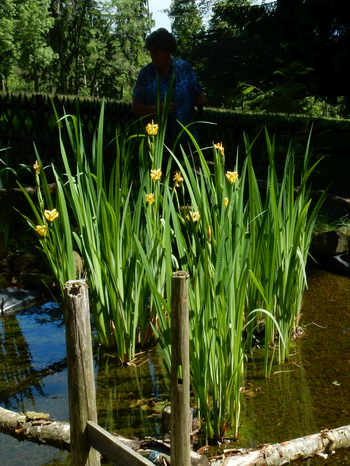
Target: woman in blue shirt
(186,93)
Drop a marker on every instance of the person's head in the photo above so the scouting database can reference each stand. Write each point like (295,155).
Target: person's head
(161,45)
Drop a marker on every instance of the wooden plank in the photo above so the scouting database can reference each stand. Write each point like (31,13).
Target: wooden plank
(81,379)
(112,448)
(180,371)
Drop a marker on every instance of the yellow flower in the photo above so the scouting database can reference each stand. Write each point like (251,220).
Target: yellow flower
(156,174)
(42,230)
(51,215)
(226,201)
(36,167)
(178,179)
(231,177)
(195,216)
(219,147)
(150,198)
(152,129)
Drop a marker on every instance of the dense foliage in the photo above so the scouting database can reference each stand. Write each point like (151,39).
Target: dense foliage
(86,47)
(272,56)
(279,56)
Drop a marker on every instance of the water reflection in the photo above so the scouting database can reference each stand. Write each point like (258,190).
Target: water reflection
(130,400)
(17,381)
(32,377)
(309,393)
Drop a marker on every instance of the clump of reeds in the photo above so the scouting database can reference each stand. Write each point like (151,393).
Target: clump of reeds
(244,247)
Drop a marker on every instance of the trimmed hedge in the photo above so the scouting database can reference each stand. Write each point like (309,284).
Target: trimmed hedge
(28,118)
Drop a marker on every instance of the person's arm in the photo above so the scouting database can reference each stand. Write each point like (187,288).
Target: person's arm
(141,109)
(200,99)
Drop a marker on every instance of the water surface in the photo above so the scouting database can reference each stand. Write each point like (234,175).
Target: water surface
(309,393)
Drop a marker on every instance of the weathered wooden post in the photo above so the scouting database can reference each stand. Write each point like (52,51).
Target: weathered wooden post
(180,371)
(81,382)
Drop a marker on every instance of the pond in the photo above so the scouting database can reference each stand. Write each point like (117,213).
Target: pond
(309,393)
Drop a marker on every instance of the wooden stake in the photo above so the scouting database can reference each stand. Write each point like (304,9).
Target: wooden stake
(180,371)
(81,381)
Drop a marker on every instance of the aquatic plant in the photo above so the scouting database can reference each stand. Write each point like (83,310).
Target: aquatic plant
(280,228)
(52,224)
(244,246)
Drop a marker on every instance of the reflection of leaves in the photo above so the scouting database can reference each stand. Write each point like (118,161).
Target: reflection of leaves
(49,312)
(18,378)
(336,383)
(15,363)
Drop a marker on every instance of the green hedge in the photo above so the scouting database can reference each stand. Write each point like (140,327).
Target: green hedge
(330,138)
(25,118)
(29,118)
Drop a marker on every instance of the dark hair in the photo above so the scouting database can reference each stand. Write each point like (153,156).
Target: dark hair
(161,39)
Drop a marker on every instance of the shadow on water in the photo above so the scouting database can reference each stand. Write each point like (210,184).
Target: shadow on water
(309,393)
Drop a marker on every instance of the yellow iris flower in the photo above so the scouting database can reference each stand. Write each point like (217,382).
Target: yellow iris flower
(41,230)
(195,216)
(178,179)
(36,167)
(219,147)
(231,176)
(152,129)
(156,174)
(150,198)
(51,215)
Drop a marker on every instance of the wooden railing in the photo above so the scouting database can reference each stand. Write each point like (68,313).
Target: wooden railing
(88,439)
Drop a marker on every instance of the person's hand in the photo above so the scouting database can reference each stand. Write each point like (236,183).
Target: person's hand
(171,107)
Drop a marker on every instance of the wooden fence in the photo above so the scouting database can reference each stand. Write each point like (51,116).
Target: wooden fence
(88,439)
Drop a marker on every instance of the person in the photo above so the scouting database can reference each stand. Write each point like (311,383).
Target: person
(186,93)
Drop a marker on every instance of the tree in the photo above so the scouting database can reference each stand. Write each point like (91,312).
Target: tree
(100,45)
(7,43)
(75,22)
(288,50)
(318,35)
(234,49)
(32,24)
(187,25)
(130,23)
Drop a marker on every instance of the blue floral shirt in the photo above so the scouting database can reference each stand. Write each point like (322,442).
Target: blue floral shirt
(186,88)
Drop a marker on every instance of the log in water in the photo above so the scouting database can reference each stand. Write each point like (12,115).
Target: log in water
(324,442)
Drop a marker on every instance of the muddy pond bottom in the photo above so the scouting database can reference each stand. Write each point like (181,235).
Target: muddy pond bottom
(309,393)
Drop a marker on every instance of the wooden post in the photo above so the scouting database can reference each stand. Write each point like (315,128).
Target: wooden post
(81,381)
(180,371)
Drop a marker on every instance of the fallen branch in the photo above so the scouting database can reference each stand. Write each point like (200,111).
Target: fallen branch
(323,443)
(39,428)
(35,427)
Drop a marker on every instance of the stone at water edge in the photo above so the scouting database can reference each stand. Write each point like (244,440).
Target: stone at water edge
(14,299)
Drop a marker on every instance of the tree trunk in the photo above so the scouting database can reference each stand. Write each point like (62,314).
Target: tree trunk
(323,443)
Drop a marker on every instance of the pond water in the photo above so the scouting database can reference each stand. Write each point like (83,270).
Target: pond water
(312,391)
(309,393)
